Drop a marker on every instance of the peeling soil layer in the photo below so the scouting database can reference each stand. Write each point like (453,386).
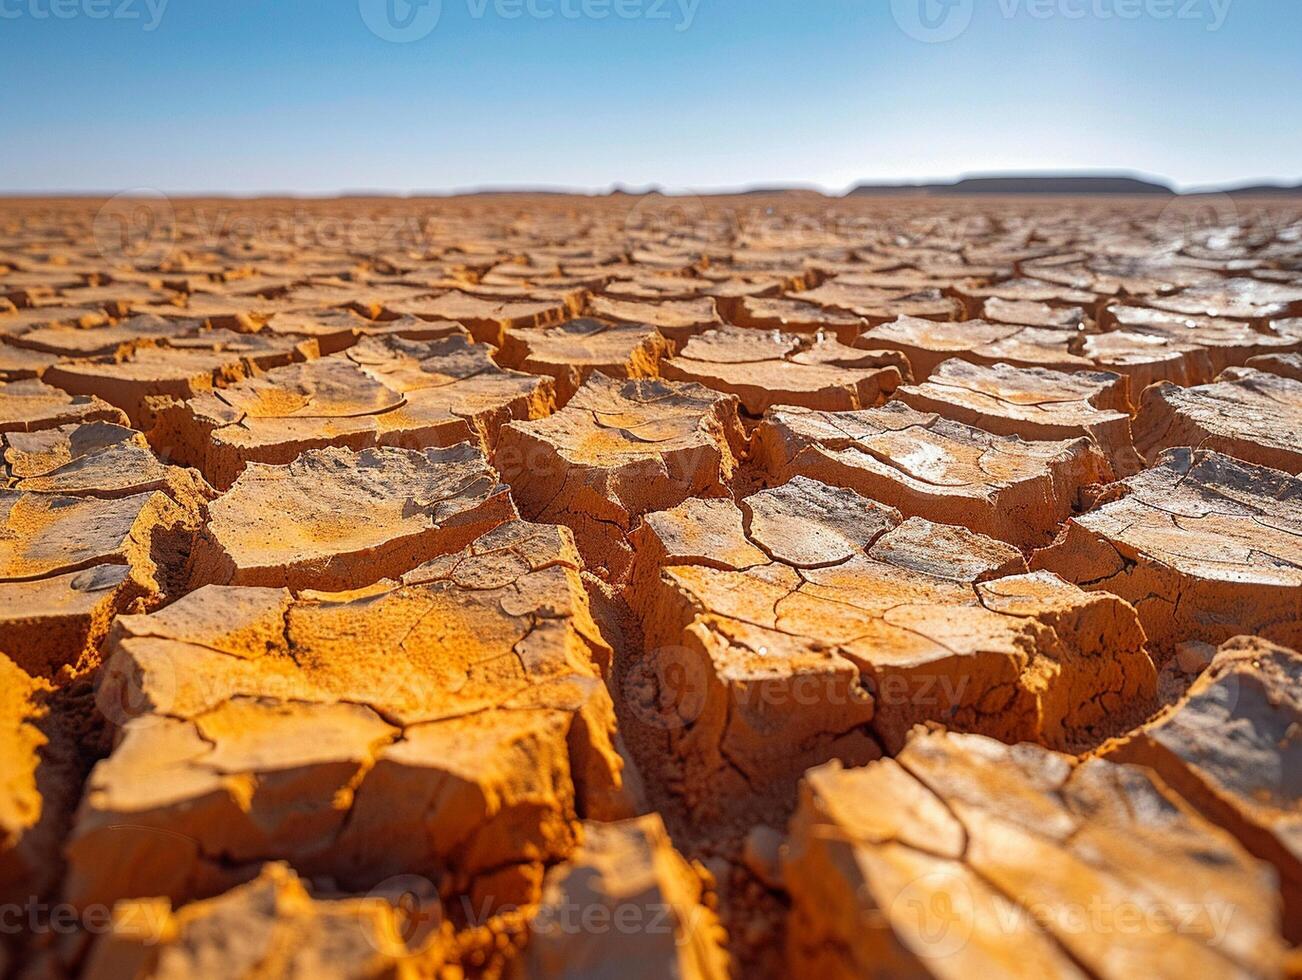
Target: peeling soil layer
(727,588)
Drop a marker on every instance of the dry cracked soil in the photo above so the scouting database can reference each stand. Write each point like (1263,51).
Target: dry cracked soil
(533,587)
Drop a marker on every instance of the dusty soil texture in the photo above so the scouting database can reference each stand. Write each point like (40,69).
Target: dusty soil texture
(518,586)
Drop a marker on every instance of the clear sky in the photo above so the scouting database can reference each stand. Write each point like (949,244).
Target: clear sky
(301,95)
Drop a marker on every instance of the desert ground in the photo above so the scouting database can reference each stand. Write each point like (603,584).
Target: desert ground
(631,586)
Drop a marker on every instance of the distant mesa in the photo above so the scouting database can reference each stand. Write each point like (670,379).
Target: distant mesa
(1265,189)
(767,190)
(623,190)
(1074,184)
(1066,184)
(1023,184)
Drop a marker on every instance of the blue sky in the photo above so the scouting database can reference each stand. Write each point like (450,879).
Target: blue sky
(300,95)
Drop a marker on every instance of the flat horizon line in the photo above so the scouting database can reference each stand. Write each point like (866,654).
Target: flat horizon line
(1143,184)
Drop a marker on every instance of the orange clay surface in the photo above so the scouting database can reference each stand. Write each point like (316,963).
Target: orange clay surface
(751,587)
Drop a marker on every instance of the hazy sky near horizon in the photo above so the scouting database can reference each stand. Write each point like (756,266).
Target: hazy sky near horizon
(250,96)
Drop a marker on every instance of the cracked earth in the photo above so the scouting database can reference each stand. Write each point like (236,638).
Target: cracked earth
(580,588)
